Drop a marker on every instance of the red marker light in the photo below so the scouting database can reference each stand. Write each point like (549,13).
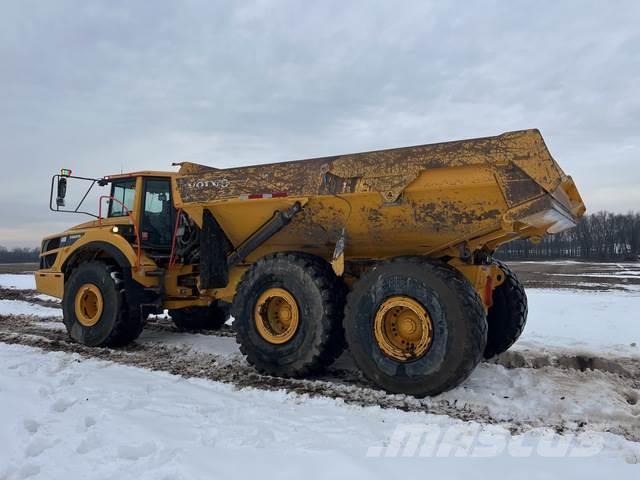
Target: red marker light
(65,172)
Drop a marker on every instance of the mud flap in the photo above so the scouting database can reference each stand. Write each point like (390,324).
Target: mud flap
(214,248)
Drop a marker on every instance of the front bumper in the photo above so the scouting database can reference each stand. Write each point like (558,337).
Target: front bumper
(50,283)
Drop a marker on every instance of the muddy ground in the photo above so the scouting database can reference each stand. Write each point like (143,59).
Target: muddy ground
(18,267)
(345,384)
(578,275)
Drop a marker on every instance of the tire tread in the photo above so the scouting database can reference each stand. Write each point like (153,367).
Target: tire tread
(330,344)
(470,303)
(504,330)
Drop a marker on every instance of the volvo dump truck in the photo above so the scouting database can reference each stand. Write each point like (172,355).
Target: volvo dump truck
(387,253)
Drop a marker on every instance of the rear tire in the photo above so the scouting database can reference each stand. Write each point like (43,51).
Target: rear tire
(458,326)
(116,323)
(199,318)
(507,316)
(313,301)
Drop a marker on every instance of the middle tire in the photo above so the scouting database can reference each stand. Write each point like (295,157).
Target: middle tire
(199,318)
(288,314)
(415,326)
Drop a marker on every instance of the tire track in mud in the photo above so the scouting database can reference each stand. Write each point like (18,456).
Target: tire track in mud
(526,358)
(160,324)
(343,384)
(625,367)
(183,361)
(622,366)
(27,296)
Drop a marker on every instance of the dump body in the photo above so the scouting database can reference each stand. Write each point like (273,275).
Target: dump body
(427,200)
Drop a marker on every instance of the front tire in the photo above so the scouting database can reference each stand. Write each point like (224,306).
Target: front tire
(415,326)
(95,309)
(288,313)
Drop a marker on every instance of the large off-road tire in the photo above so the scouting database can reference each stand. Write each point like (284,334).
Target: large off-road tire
(288,314)
(200,318)
(95,308)
(428,297)
(508,314)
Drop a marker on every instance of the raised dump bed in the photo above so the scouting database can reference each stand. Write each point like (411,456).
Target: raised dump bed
(388,252)
(420,200)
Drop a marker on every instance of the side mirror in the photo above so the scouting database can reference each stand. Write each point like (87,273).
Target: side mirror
(62,191)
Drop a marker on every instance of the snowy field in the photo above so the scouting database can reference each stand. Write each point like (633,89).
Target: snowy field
(563,403)
(92,419)
(606,322)
(17,281)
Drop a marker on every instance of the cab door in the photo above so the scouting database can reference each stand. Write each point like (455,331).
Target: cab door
(157,217)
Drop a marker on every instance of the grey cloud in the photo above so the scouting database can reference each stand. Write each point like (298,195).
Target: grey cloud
(100,86)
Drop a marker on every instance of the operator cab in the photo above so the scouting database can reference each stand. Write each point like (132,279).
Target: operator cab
(139,206)
(157,214)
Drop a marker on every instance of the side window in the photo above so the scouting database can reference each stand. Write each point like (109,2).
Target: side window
(123,191)
(155,201)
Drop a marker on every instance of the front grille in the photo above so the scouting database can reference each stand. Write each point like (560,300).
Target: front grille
(50,244)
(47,260)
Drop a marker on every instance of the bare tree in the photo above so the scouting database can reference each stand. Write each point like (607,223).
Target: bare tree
(599,236)
(18,255)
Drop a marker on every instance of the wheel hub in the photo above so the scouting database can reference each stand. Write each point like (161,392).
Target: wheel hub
(403,328)
(88,304)
(276,315)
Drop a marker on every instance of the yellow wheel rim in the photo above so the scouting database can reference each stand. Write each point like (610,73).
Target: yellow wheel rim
(277,315)
(89,304)
(403,329)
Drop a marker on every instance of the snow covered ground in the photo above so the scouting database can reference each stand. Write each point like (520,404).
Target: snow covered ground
(600,321)
(86,418)
(17,281)
(94,419)
(19,307)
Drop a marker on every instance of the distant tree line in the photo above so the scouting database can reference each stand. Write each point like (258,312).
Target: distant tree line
(18,255)
(599,236)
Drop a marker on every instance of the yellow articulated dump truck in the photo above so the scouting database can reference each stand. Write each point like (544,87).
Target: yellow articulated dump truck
(387,253)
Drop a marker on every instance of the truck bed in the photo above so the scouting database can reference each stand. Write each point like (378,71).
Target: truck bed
(413,200)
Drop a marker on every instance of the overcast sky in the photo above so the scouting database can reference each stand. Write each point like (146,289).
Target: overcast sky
(104,86)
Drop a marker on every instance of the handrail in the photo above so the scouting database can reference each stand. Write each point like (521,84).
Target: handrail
(172,259)
(133,222)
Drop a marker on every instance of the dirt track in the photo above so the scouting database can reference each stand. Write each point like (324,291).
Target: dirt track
(620,374)
(27,296)
(18,267)
(578,275)
(340,383)
(344,384)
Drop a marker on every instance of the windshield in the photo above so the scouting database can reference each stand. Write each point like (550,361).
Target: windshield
(124,191)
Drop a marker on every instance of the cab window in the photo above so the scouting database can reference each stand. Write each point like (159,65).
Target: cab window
(157,213)
(123,191)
